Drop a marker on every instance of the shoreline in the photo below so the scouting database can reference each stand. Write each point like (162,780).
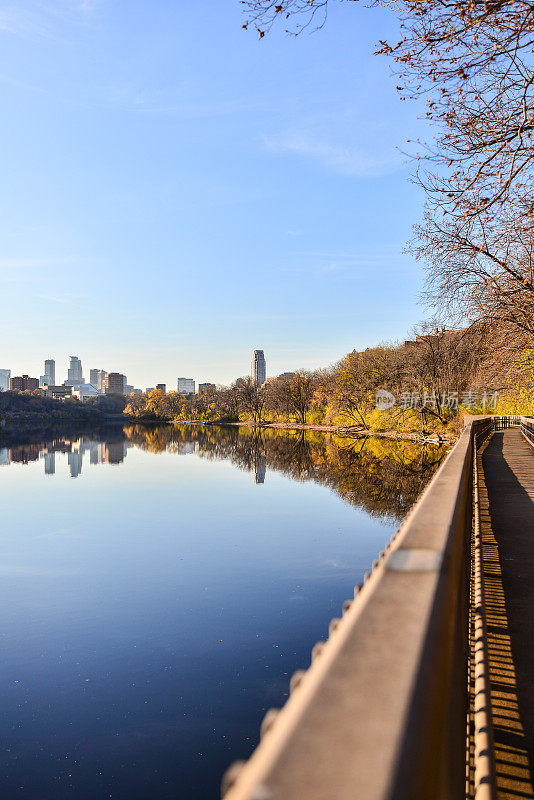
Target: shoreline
(340,430)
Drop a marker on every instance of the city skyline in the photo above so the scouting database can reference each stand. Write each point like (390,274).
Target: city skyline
(234,174)
(114,382)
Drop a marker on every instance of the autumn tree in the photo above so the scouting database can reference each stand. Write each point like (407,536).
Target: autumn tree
(293,394)
(252,398)
(471,65)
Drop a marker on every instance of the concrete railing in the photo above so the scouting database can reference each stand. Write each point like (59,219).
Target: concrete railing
(381,712)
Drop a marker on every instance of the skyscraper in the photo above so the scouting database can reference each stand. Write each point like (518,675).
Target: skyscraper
(96,378)
(75,372)
(49,377)
(258,371)
(114,383)
(185,385)
(5,375)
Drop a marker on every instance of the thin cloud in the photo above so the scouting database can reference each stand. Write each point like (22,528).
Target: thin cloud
(343,159)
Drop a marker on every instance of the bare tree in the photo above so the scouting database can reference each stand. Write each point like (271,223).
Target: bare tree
(252,398)
(293,394)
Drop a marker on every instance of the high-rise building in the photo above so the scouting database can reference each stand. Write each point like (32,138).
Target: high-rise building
(75,372)
(5,375)
(23,383)
(114,383)
(185,385)
(258,371)
(96,378)
(206,388)
(49,377)
(161,387)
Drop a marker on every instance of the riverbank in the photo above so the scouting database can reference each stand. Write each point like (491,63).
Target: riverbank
(338,430)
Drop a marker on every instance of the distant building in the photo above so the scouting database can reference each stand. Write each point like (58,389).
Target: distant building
(84,390)
(258,371)
(114,383)
(96,378)
(185,385)
(161,387)
(58,392)
(150,389)
(23,383)
(4,457)
(75,372)
(50,371)
(206,388)
(5,375)
(49,377)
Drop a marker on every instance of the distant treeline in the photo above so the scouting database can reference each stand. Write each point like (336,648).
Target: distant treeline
(31,410)
(432,377)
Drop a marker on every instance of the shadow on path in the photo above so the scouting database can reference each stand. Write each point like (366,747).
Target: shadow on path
(506,493)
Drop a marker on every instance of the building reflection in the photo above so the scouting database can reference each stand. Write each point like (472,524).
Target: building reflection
(259,467)
(76,449)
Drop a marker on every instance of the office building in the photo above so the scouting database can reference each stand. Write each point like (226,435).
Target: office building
(258,371)
(84,390)
(96,378)
(185,385)
(5,375)
(114,383)
(161,387)
(49,377)
(206,388)
(23,383)
(75,372)
(58,392)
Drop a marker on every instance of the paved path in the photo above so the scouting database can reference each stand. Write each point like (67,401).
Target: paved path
(506,492)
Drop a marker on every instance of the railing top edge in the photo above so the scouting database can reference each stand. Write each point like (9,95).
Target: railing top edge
(368,670)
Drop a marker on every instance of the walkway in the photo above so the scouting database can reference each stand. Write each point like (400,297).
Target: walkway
(506,472)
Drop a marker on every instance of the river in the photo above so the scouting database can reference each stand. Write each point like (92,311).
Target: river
(159,586)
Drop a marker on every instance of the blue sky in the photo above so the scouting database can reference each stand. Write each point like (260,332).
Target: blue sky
(176,193)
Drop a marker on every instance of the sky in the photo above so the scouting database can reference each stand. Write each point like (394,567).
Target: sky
(176,192)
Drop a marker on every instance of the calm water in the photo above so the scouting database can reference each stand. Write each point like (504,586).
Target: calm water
(159,586)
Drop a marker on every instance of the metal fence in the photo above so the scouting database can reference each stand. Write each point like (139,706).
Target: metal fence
(381,712)
(509,421)
(527,429)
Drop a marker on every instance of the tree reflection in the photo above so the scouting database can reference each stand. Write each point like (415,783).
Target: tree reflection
(382,476)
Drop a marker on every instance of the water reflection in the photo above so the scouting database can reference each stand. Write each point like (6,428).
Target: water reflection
(111,451)
(382,476)
(152,609)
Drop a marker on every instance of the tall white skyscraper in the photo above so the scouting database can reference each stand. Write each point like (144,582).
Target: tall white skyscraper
(49,377)
(185,385)
(75,372)
(5,375)
(258,371)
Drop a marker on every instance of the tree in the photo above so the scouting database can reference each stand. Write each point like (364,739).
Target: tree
(252,398)
(471,62)
(356,379)
(293,394)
